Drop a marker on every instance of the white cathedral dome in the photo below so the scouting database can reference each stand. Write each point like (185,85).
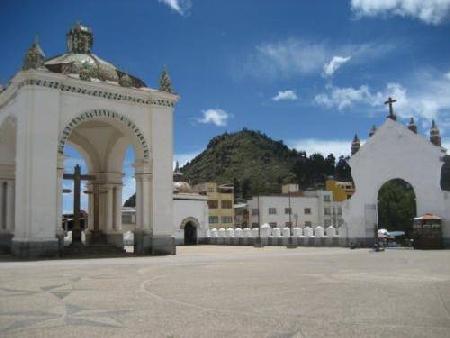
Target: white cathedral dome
(79,60)
(182,187)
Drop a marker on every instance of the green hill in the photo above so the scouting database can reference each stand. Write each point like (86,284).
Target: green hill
(256,164)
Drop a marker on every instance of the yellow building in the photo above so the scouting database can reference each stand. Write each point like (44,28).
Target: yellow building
(220,203)
(341,190)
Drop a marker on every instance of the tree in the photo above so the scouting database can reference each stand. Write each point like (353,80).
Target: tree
(396,206)
(343,171)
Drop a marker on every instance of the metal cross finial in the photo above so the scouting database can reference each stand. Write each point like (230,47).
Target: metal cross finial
(390,102)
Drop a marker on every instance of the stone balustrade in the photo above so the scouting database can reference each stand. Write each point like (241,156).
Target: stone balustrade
(319,232)
(308,232)
(247,232)
(330,232)
(308,236)
(265,230)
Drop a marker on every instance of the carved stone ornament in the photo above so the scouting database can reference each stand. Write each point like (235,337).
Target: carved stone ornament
(125,81)
(80,39)
(165,84)
(34,58)
(85,74)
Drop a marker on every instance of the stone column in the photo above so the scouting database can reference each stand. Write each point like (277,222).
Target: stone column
(11,193)
(91,210)
(5,233)
(144,209)
(3,207)
(59,198)
(108,208)
(109,188)
(95,213)
(36,168)
(118,208)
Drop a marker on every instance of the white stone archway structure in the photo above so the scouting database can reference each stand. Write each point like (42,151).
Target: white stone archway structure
(192,220)
(394,152)
(185,224)
(79,99)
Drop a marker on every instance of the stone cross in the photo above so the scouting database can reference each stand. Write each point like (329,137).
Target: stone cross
(77,177)
(390,102)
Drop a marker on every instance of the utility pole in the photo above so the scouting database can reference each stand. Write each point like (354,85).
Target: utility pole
(258,242)
(291,244)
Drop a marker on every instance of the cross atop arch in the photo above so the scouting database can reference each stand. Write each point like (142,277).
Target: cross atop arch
(390,101)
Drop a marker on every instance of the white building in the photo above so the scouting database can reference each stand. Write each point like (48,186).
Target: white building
(77,98)
(190,215)
(307,209)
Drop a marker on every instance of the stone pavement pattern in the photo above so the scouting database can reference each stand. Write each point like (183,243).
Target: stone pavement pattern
(231,292)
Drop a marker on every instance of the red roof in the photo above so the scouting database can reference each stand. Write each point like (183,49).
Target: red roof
(428,216)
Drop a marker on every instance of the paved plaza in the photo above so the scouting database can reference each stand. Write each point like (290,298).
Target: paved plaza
(231,292)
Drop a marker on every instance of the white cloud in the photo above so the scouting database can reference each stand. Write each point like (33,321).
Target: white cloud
(343,98)
(425,97)
(446,144)
(286,58)
(218,117)
(182,7)
(447,76)
(293,57)
(184,158)
(429,11)
(323,146)
(285,95)
(346,98)
(336,62)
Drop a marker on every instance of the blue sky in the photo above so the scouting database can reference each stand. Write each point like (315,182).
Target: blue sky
(311,73)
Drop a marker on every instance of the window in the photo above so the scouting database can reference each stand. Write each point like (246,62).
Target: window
(287,211)
(307,211)
(327,211)
(227,204)
(213,219)
(213,204)
(211,189)
(327,198)
(327,222)
(288,224)
(273,224)
(255,212)
(308,224)
(255,225)
(227,219)
(272,211)
(349,196)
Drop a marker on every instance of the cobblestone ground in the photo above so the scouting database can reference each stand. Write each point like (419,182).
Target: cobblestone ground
(231,292)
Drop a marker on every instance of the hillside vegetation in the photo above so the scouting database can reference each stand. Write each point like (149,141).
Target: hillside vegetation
(257,164)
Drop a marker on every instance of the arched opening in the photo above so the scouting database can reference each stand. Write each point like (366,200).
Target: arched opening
(73,157)
(396,207)
(445,174)
(129,199)
(190,234)
(114,155)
